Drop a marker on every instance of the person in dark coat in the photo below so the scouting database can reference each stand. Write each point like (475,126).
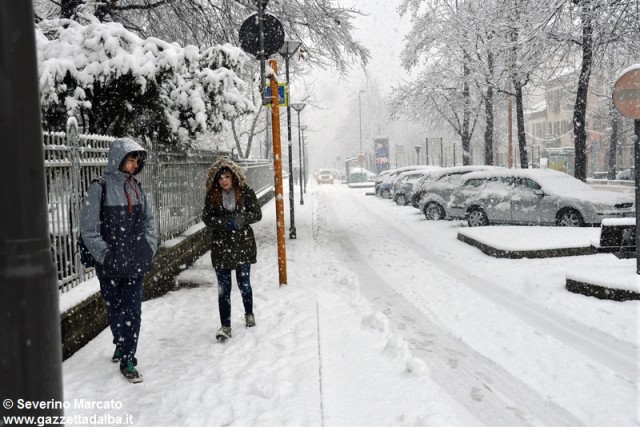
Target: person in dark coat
(230,207)
(121,236)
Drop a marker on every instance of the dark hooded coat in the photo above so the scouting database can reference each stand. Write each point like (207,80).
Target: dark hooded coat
(123,239)
(230,248)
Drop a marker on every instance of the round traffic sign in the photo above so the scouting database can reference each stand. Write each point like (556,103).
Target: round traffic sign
(250,35)
(626,93)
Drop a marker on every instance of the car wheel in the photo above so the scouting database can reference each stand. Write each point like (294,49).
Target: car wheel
(569,218)
(434,212)
(401,200)
(386,194)
(477,218)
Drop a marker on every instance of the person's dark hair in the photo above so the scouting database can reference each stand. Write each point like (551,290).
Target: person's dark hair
(223,170)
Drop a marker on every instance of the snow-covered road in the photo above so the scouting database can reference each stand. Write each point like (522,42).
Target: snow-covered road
(502,336)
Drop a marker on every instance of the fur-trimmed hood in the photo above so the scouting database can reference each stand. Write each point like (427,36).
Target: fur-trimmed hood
(222,163)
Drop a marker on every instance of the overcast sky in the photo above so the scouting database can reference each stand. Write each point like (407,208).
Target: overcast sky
(382,32)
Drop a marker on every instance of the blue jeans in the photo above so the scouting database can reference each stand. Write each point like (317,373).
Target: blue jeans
(243,272)
(124,308)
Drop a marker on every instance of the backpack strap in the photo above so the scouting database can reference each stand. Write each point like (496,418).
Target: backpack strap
(103,184)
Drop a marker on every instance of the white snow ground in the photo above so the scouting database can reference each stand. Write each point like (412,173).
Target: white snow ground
(386,320)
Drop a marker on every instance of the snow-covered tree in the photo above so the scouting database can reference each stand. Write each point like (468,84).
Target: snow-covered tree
(117,83)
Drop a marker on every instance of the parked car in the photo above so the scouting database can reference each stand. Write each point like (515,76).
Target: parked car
(626,175)
(384,181)
(433,193)
(402,188)
(535,197)
(325,176)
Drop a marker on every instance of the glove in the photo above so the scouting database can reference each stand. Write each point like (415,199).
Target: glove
(233,225)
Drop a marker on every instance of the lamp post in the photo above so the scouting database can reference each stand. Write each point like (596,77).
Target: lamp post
(286,51)
(303,154)
(417,147)
(360,156)
(298,106)
(426,151)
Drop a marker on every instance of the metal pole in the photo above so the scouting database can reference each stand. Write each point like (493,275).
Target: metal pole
(30,349)
(303,153)
(299,107)
(300,167)
(277,166)
(261,7)
(292,225)
(426,151)
(441,153)
(637,177)
(360,119)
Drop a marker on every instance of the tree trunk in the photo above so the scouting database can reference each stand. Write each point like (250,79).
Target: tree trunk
(466,134)
(522,138)
(580,109)
(489,116)
(488,130)
(613,144)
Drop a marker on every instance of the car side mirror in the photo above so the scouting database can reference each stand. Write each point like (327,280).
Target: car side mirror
(538,193)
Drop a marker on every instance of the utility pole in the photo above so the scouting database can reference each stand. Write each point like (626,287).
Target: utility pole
(277,166)
(30,343)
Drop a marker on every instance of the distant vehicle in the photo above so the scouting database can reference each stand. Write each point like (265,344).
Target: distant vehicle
(626,175)
(534,197)
(432,193)
(600,175)
(325,176)
(361,175)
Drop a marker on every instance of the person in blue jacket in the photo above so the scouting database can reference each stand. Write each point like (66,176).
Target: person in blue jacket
(121,236)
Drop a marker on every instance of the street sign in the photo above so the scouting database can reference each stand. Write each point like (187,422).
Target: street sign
(250,35)
(283,95)
(626,94)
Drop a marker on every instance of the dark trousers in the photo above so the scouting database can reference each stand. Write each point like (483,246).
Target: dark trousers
(124,308)
(224,291)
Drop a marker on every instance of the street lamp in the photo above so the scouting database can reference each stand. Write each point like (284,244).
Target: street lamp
(298,106)
(287,50)
(417,147)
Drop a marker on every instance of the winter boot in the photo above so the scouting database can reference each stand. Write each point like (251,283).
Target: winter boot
(117,355)
(131,373)
(223,333)
(250,320)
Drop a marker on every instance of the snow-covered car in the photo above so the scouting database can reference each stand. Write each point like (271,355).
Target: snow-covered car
(402,189)
(535,197)
(325,176)
(384,181)
(626,175)
(432,193)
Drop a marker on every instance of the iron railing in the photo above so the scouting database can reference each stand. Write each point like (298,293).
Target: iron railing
(174,183)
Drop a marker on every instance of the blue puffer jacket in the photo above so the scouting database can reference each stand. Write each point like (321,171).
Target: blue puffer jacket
(124,240)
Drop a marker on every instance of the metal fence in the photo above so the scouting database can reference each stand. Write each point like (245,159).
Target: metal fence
(174,184)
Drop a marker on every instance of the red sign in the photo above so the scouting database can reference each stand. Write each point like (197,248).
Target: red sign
(626,94)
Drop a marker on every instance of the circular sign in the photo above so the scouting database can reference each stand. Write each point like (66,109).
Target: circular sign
(626,94)
(250,35)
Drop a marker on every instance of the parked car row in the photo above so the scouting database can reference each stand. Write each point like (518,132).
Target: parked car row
(484,195)
(384,181)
